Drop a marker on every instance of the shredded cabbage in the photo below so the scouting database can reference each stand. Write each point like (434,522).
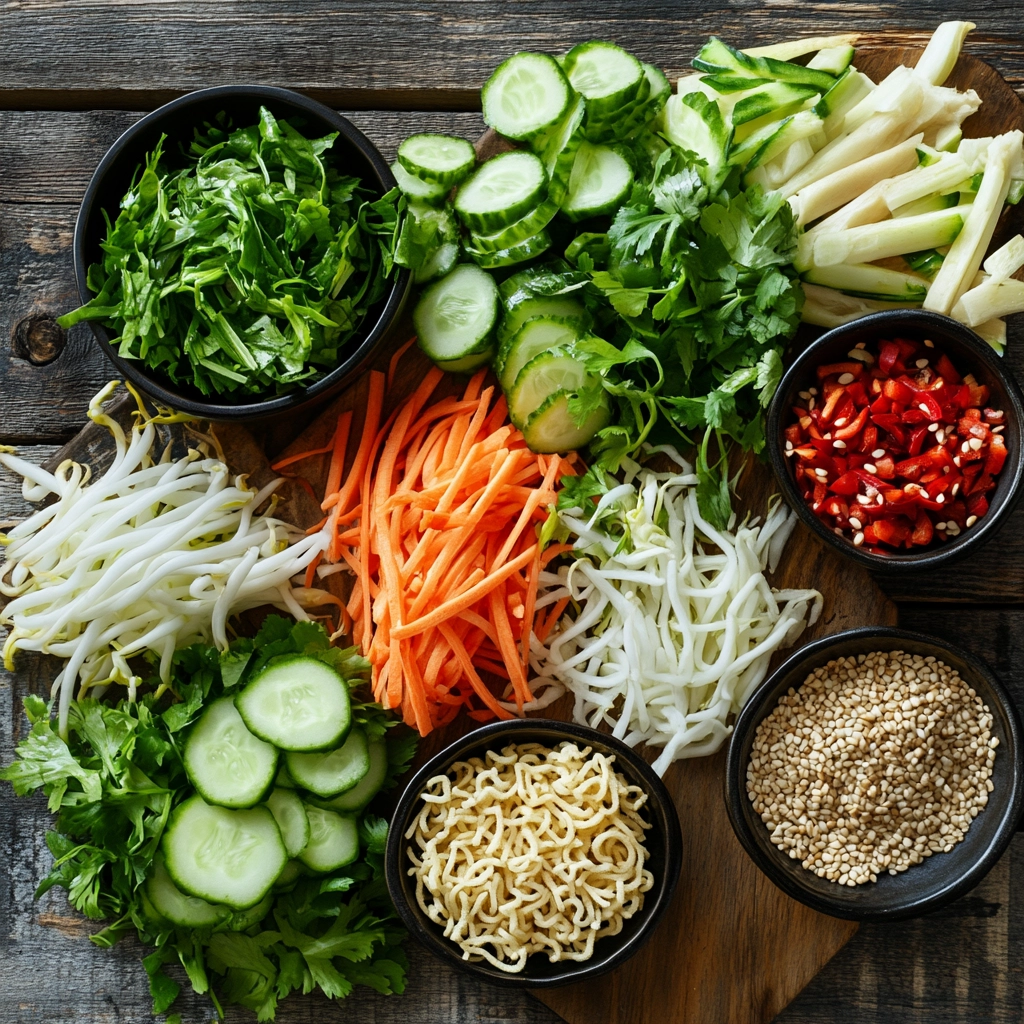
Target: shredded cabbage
(671,623)
(152,555)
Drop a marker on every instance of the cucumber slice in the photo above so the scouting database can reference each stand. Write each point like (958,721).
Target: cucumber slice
(416,188)
(927,205)
(850,89)
(333,840)
(768,143)
(716,58)
(428,242)
(330,773)
(533,338)
(529,307)
(290,815)
(526,250)
(222,856)
(833,59)
(536,220)
(467,364)
(438,264)
(606,129)
(778,98)
(546,374)
(292,872)
(455,316)
(282,780)
(926,262)
(869,282)
(526,95)
(551,429)
(297,703)
(225,761)
(356,798)
(605,75)
(501,191)
(173,905)
(242,919)
(439,159)
(600,181)
(558,151)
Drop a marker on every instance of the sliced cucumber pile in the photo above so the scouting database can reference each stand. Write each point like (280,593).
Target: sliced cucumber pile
(334,771)
(455,319)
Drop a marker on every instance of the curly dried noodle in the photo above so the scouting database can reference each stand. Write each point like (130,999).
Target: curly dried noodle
(528,851)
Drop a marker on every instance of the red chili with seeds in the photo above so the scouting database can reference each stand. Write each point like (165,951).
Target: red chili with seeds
(894,449)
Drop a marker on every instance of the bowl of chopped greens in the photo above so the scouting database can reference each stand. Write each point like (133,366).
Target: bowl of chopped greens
(234,253)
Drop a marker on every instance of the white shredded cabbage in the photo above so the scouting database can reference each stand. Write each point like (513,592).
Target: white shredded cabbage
(671,623)
(152,555)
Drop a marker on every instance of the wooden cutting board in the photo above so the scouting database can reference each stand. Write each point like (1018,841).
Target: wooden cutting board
(732,949)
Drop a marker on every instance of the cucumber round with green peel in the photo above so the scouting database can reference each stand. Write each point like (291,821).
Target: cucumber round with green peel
(529,307)
(544,375)
(601,179)
(501,191)
(529,249)
(221,855)
(552,428)
(173,905)
(416,188)
(605,75)
(456,316)
(525,96)
(290,815)
(356,798)
(225,762)
(282,780)
(536,220)
(606,129)
(467,364)
(439,159)
(334,771)
(534,337)
(292,872)
(438,264)
(297,703)
(240,920)
(333,841)
(558,150)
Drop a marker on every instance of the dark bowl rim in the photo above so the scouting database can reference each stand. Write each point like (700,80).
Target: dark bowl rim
(656,901)
(933,557)
(355,360)
(755,709)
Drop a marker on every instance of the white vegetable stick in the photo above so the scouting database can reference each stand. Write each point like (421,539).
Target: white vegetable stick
(842,186)
(988,301)
(994,332)
(974,153)
(1006,260)
(799,47)
(947,171)
(782,168)
(889,238)
(968,250)
(942,51)
(825,307)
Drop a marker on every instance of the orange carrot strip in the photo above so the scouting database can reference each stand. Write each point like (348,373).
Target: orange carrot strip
(479,687)
(396,359)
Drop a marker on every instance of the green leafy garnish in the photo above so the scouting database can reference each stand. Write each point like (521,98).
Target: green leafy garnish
(247,270)
(113,784)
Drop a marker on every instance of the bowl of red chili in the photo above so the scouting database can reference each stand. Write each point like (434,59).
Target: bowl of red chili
(897,438)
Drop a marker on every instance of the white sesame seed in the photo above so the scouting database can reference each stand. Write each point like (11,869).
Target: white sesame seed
(810,404)
(841,422)
(929,344)
(861,345)
(998,430)
(965,447)
(932,427)
(956,461)
(789,446)
(855,522)
(940,498)
(971,520)
(922,407)
(976,443)
(955,488)
(940,437)
(858,539)
(940,526)
(804,395)
(921,363)
(813,391)
(861,355)
(821,472)
(839,444)
(863,499)
(870,467)
(846,378)
(879,500)
(837,531)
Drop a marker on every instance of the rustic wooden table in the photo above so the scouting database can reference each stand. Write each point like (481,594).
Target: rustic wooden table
(74,75)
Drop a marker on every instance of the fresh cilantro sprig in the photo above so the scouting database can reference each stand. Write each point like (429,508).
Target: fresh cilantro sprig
(247,269)
(113,784)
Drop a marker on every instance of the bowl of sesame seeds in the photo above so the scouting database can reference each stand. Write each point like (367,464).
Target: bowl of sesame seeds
(876,775)
(897,439)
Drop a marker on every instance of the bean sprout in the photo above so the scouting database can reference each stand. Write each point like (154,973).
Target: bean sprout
(154,554)
(671,623)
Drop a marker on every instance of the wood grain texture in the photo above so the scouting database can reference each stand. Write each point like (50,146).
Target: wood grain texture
(136,54)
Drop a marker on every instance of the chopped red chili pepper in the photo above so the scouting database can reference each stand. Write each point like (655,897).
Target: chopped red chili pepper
(901,452)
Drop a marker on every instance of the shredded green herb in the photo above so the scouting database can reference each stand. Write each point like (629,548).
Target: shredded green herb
(247,270)
(113,785)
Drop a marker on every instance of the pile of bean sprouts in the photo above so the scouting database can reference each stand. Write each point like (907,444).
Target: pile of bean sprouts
(670,623)
(154,554)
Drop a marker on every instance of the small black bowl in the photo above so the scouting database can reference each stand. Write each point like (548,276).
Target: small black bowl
(970,355)
(352,153)
(939,879)
(663,842)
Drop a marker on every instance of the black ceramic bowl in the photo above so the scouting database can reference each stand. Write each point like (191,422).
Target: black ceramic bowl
(663,842)
(939,879)
(352,153)
(969,354)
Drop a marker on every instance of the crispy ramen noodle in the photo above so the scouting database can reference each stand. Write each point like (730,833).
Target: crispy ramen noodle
(531,850)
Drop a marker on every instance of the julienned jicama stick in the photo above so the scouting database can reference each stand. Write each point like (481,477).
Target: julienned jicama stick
(437,520)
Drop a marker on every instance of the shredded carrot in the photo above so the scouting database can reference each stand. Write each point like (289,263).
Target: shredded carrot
(437,515)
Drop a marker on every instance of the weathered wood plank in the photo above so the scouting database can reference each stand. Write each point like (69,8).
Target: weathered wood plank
(400,55)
